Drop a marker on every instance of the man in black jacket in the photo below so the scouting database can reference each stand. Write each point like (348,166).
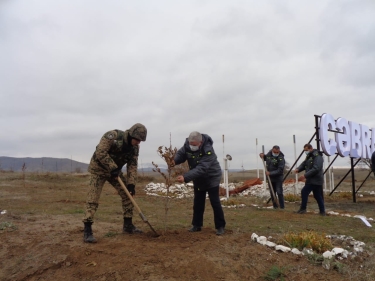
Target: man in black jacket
(275,164)
(313,167)
(205,172)
(373,162)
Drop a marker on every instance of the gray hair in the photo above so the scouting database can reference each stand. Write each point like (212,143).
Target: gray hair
(195,136)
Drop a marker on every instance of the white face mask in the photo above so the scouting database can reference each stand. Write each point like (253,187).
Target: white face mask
(307,152)
(275,154)
(194,147)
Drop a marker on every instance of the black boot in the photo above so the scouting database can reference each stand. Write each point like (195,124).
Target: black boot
(87,233)
(129,227)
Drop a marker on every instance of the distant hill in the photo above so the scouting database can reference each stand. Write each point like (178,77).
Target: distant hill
(65,165)
(44,164)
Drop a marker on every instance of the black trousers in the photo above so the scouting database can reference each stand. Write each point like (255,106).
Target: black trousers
(278,189)
(199,206)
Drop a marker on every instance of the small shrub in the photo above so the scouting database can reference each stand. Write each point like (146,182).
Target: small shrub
(292,197)
(110,234)
(317,242)
(7,226)
(343,195)
(275,273)
(230,202)
(315,259)
(338,266)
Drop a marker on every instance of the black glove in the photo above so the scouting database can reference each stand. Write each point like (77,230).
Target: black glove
(131,188)
(115,173)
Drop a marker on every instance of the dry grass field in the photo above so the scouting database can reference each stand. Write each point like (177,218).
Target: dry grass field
(41,235)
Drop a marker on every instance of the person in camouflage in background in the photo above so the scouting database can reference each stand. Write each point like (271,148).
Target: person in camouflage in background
(115,149)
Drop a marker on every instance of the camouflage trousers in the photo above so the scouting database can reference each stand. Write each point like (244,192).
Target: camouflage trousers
(96,185)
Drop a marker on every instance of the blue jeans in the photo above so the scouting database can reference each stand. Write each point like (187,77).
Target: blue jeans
(278,189)
(318,195)
(199,205)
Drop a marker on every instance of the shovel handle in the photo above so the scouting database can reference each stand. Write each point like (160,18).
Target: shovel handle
(270,185)
(131,198)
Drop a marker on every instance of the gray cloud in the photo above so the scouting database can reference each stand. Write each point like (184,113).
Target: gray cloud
(247,69)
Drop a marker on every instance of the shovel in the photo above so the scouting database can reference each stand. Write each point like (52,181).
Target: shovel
(136,206)
(270,186)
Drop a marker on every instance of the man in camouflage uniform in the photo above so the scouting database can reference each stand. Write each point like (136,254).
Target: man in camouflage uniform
(115,149)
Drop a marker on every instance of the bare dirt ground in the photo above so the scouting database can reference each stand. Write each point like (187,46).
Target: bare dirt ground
(41,237)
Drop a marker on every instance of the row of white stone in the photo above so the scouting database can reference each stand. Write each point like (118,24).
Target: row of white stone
(340,252)
(185,190)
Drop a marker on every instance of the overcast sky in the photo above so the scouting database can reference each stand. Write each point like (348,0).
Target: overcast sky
(72,70)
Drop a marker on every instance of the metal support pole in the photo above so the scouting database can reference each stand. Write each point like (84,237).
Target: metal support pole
(324,176)
(226,177)
(318,146)
(257,156)
(353,179)
(291,168)
(295,159)
(223,162)
(343,178)
(364,181)
(264,171)
(330,163)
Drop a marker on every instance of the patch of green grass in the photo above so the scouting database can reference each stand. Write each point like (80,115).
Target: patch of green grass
(275,273)
(8,226)
(292,197)
(230,202)
(110,234)
(338,266)
(315,259)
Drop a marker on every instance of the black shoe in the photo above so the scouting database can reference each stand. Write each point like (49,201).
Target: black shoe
(88,237)
(322,213)
(220,231)
(195,228)
(301,211)
(129,227)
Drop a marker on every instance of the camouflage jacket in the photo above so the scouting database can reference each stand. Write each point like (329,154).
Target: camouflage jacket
(114,151)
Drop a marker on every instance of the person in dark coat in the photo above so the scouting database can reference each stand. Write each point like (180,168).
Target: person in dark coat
(205,172)
(275,164)
(373,162)
(313,167)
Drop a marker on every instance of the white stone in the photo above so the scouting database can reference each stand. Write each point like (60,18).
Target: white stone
(307,251)
(337,251)
(333,213)
(262,240)
(270,244)
(358,249)
(282,248)
(296,251)
(328,254)
(254,236)
(326,264)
